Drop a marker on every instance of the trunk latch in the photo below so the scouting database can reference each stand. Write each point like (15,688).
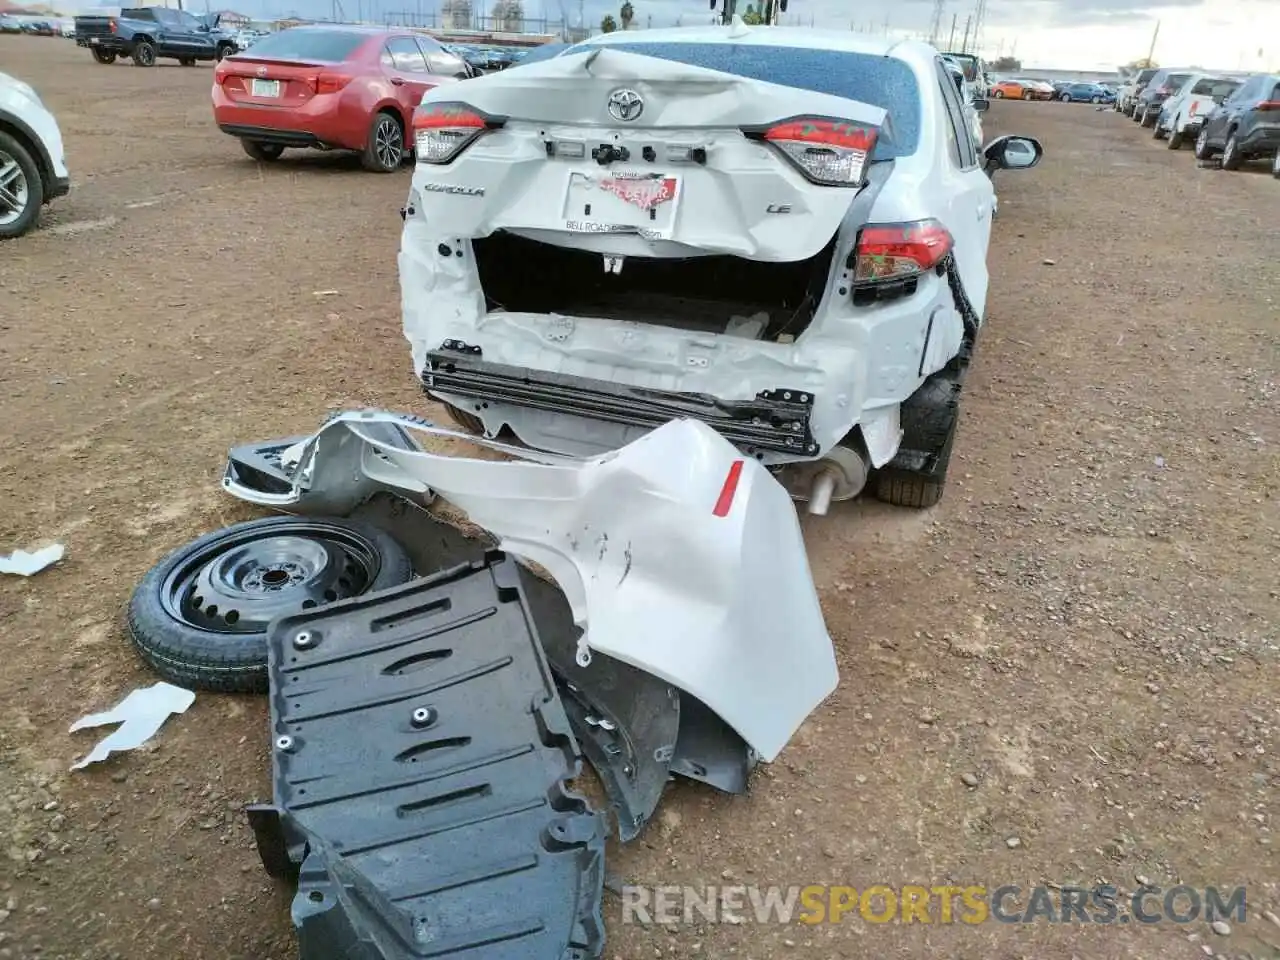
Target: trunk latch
(607,153)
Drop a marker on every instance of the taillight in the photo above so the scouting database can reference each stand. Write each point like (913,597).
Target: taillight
(897,251)
(826,150)
(441,131)
(220,74)
(111,25)
(1268,105)
(331,82)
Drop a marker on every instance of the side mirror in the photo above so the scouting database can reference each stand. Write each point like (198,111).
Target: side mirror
(1012,153)
(981,104)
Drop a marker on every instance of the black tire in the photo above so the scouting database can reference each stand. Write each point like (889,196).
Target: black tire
(384,150)
(1175,137)
(104,56)
(144,54)
(1275,165)
(997,94)
(224,50)
(187,640)
(187,61)
(1065,98)
(30,193)
(1157,132)
(1231,158)
(467,421)
(262,152)
(1203,150)
(929,419)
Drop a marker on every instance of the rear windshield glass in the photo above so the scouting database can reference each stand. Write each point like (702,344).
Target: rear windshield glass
(1208,87)
(880,81)
(1146,75)
(299,43)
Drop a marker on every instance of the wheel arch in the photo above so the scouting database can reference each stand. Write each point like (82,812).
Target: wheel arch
(396,109)
(17,128)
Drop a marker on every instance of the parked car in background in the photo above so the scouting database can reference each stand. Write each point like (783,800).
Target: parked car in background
(1164,84)
(1184,113)
(974,73)
(1246,126)
(33,170)
(1008,89)
(9,24)
(1039,89)
(1129,91)
(148,34)
(844,255)
(1085,93)
(331,88)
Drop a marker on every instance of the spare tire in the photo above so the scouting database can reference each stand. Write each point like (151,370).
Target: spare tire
(199,617)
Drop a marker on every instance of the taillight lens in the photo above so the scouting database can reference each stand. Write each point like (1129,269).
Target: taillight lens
(441,131)
(896,251)
(331,82)
(826,150)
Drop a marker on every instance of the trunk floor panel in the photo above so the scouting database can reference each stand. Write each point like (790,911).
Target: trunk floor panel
(704,294)
(421,752)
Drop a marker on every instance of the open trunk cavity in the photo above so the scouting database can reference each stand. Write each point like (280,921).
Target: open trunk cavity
(715,294)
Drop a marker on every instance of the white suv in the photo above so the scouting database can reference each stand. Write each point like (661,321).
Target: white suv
(720,223)
(32,168)
(1183,114)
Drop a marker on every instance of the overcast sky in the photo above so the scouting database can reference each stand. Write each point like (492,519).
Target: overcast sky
(1086,34)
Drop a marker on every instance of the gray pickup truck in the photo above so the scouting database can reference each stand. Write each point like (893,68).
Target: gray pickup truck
(148,33)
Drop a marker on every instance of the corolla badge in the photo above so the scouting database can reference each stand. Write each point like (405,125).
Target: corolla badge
(625,104)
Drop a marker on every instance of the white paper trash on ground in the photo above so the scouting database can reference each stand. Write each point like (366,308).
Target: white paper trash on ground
(26,564)
(140,715)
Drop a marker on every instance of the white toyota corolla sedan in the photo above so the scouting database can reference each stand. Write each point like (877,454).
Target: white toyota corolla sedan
(780,232)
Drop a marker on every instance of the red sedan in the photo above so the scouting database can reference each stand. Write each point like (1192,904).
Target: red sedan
(331,88)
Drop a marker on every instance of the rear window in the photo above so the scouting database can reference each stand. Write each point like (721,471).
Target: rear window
(301,43)
(1208,87)
(1176,80)
(1145,75)
(880,81)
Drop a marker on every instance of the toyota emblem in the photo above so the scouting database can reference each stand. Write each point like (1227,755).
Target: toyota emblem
(625,105)
(262,71)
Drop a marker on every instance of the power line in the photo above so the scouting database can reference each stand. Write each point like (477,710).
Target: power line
(935,24)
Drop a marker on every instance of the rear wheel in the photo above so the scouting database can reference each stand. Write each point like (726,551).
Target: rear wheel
(144,53)
(997,94)
(262,152)
(1158,132)
(224,50)
(1096,100)
(21,189)
(104,56)
(1175,137)
(384,150)
(1066,98)
(929,418)
(1231,158)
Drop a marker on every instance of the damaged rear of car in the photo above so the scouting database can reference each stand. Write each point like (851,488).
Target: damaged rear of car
(697,223)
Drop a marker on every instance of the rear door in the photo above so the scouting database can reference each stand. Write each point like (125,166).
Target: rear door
(966,193)
(406,68)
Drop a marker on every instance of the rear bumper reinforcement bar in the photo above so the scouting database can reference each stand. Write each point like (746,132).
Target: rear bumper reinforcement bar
(776,420)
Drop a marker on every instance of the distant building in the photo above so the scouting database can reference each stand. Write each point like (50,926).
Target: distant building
(236,21)
(455,15)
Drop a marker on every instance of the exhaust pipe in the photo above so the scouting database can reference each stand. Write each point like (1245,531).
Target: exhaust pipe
(840,475)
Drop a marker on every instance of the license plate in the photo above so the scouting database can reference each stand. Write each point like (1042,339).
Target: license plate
(94,40)
(641,203)
(266,88)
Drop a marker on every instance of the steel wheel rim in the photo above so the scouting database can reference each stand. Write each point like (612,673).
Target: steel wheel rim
(15,192)
(388,143)
(239,584)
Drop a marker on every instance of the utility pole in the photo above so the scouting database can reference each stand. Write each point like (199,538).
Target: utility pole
(979,20)
(964,44)
(935,23)
(1152,52)
(886,24)
(951,40)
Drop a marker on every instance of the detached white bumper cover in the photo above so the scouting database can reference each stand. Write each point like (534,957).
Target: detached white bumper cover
(677,555)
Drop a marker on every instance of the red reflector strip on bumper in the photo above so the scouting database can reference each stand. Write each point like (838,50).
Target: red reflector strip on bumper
(725,501)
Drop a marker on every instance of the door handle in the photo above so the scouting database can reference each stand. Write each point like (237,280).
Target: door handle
(397,82)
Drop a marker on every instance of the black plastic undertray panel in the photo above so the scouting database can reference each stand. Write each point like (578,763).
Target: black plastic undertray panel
(420,761)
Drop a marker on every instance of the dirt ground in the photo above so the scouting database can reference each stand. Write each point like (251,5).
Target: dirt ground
(1064,674)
